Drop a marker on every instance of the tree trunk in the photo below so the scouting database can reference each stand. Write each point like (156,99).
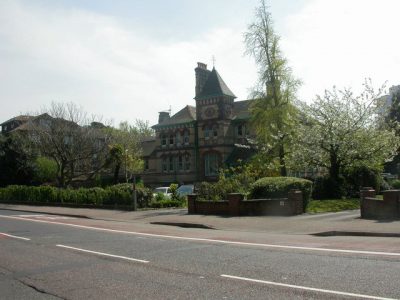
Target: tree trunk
(116,172)
(282,162)
(334,166)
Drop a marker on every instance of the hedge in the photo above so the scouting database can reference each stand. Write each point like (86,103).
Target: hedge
(117,195)
(277,187)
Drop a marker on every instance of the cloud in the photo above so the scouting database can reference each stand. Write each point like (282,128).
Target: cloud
(54,54)
(342,42)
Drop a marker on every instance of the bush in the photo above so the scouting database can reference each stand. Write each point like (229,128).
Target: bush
(395,184)
(276,187)
(361,176)
(45,170)
(328,188)
(120,194)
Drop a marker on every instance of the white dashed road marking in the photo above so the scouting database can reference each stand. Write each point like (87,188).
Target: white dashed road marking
(103,254)
(301,248)
(299,287)
(14,236)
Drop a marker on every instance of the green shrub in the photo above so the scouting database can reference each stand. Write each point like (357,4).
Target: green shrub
(167,203)
(395,184)
(328,188)
(361,176)
(45,170)
(277,187)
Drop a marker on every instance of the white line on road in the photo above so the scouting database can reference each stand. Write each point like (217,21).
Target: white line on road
(15,237)
(362,252)
(103,254)
(299,287)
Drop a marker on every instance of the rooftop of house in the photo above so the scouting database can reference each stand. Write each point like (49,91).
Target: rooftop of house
(185,115)
(215,86)
(21,118)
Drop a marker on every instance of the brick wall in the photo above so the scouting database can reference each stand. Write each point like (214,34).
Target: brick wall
(373,208)
(235,205)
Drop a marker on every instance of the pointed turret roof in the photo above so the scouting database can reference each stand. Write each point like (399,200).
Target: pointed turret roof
(215,86)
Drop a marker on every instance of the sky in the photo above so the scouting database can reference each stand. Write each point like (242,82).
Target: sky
(124,60)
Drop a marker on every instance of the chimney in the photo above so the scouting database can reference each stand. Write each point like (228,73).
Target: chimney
(162,116)
(201,73)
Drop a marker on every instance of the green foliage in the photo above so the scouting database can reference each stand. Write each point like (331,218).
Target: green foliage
(45,170)
(328,188)
(395,184)
(273,114)
(120,194)
(333,205)
(272,187)
(341,130)
(362,176)
(164,203)
(16,161)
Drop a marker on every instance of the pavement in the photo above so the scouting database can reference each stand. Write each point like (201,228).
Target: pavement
(339,223)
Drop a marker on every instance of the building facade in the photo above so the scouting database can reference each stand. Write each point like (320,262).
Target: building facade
(193,144)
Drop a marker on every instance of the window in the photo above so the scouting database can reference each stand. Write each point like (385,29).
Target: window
(241,130)
(187,162)
(171,139)
(146,164)
(164,164)
(186,137)
(180,163)
(178,138)
(215,131)
(211,164)
(210,131)
(163,140)
(207,132)
(171,164)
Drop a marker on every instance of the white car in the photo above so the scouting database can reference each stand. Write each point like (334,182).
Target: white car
(165,190)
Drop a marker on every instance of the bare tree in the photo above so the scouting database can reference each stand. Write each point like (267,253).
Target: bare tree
(76,142)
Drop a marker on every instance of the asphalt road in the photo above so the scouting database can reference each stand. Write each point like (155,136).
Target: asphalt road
(53,257)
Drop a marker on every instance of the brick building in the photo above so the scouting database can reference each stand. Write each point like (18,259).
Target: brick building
(194,143)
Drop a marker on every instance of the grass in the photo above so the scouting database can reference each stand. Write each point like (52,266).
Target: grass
(332,205)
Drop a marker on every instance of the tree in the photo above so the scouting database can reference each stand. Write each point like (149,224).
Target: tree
(16,160)
(125,147)
(273,114)
(63,134)
(341,130)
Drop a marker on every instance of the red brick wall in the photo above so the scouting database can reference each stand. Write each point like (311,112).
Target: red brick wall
(373,208)
(236,206)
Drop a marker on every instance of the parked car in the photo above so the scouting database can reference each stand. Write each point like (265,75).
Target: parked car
(165,190)
(185,189)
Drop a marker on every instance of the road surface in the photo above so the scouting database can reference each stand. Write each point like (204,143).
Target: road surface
(55,257)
